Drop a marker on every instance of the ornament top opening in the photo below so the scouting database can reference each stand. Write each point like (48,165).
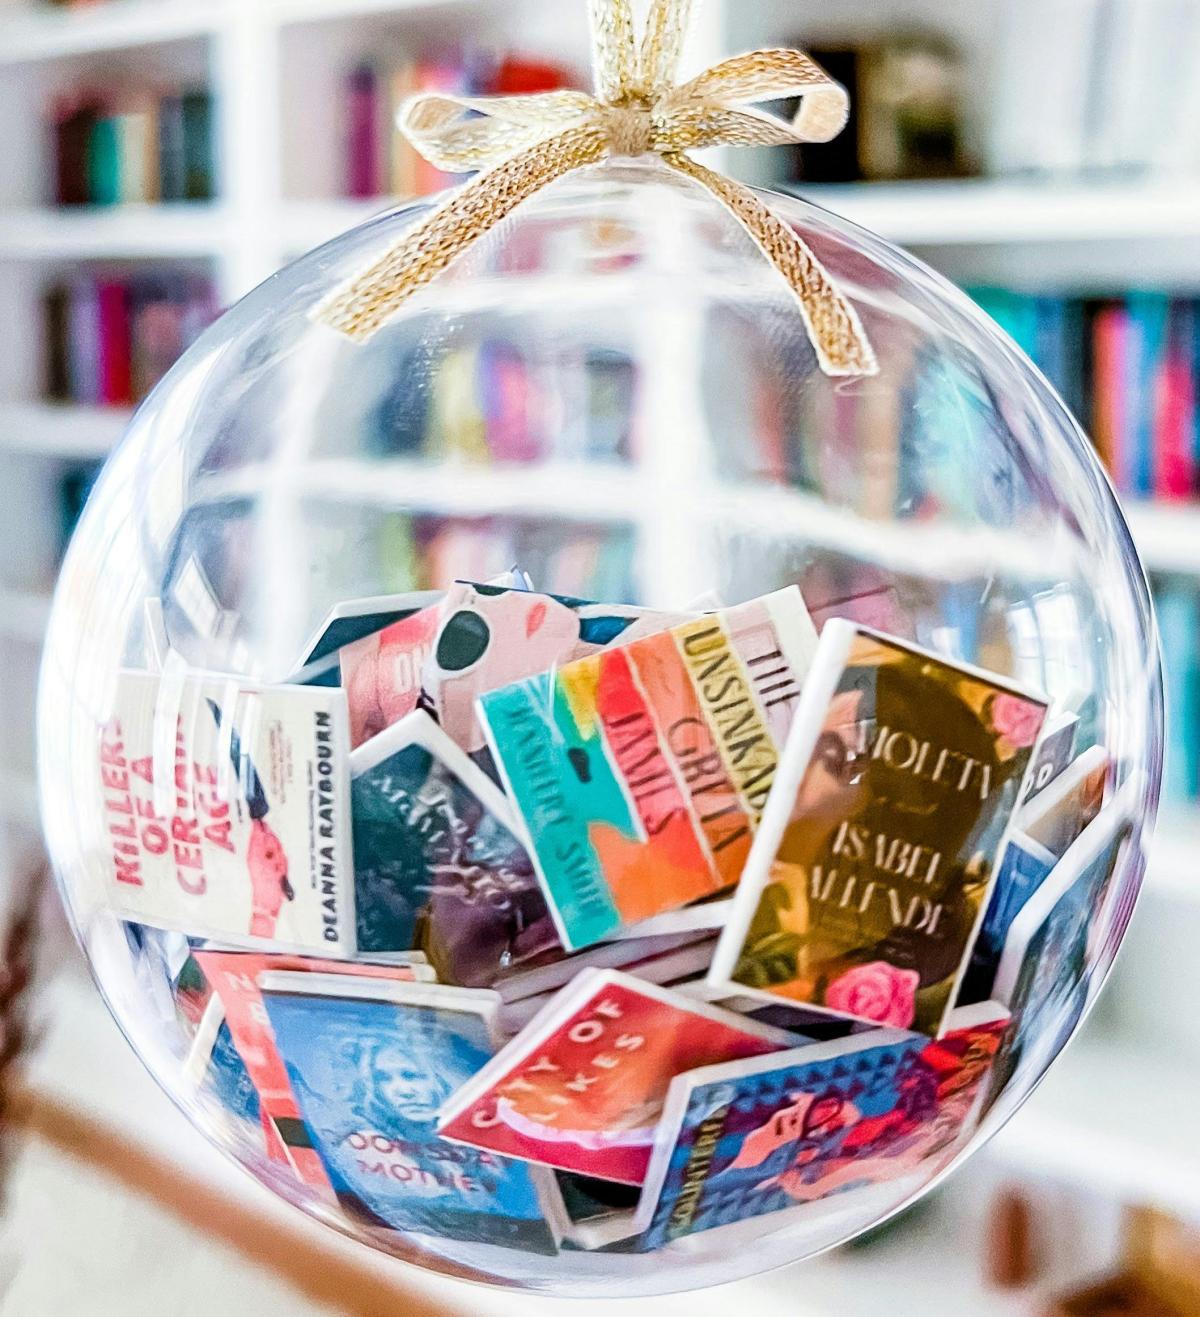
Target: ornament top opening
(614,391)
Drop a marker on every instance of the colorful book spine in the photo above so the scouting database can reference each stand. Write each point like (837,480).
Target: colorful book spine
(73,124)
(198,156)
(364,177)
(1175,408)
(116,384)
(172,179)
(1111,335)
(1149,315)
(104,163)
(1179,629)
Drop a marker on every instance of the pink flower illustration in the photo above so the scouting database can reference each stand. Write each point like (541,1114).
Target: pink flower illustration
(1017,720)
(877,991)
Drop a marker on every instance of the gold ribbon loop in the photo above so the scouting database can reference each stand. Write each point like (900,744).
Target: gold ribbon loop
(522,143)
(773,75)
(458,134)
(614,50)
(662,46)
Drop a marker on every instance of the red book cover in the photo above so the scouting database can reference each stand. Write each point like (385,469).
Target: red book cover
(518,76)
(116,365)
(1110,343)
(1174,409)
(581,1087)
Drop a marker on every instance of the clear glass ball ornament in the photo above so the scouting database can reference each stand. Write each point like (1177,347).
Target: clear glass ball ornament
(614,391)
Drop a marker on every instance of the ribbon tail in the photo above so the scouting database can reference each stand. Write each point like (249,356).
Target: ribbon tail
(836,333)
(365,303)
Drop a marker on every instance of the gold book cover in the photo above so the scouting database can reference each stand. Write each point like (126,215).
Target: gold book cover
(868,876)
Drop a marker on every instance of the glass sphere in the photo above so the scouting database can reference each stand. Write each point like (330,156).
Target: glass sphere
(614,392)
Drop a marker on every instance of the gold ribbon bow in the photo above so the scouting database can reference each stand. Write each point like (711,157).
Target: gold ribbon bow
(522,143)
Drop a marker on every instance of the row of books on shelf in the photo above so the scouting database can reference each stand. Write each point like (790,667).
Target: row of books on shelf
(356,549)
(580,560)
(378,160)
(512,400)
(110,337)
(1128,369)
(133,145)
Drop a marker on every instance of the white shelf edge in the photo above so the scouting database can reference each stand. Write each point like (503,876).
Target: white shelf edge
(608,494)
(976,212)
(52,429)
(1167,535)
(116,25)
(288,12)
(195,228)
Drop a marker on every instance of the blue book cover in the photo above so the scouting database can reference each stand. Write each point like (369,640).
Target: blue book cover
(1045,969)
(370,1064)
(1148,317)
(1050,341)
(229,1079)
(1179,629)
(750,1138)
(1025,867)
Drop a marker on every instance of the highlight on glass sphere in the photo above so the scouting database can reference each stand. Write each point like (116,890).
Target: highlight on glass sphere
(572,793)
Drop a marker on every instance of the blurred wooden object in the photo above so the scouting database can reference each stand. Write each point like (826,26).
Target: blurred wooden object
(1119,1296)
(1165,1253)
(18,959)
(1011,1260)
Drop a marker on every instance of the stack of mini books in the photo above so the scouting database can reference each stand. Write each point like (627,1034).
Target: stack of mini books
(544,923)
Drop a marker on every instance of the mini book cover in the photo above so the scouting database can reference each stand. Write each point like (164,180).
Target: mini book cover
(581,1087)
(1043,975)
(874,860)
(750,1138)
(680,969)
(351,620)
(1059,813)
(1055,751)
(381,674)
(437,861)
(1043,828)
(215,1068)
(640,772)
(226,810)
(493,635)
(370,1063)
(233,977)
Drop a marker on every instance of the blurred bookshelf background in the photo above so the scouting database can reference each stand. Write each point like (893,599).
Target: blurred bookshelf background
(161,157)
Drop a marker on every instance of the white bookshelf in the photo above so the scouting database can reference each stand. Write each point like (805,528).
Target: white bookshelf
(275,200)
(971,212)
(180,230)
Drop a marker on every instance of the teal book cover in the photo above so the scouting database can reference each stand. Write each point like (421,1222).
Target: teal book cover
(104,163)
